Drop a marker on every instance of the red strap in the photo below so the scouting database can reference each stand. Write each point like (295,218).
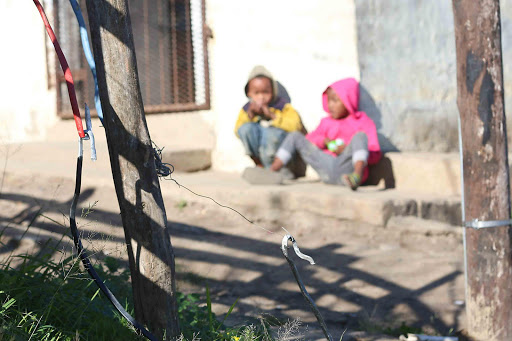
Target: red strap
(65,68)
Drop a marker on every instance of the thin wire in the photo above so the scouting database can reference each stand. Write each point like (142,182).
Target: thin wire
(463,209)
(224,206)
(165,170)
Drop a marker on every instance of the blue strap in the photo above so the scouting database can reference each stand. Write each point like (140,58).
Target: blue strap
(88,55)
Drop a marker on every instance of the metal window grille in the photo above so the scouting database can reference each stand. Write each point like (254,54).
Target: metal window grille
(171,50)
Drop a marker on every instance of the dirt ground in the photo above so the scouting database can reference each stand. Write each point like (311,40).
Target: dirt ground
(365,276)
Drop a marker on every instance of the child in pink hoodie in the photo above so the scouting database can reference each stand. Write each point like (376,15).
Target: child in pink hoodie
(344,143)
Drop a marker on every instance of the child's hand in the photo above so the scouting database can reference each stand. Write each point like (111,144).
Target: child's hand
(326,142)
(267,113)
(340,149)
(254,109)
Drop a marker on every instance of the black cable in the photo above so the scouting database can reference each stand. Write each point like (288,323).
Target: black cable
(87,264)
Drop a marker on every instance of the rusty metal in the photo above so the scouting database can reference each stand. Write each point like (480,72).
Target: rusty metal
(169,62)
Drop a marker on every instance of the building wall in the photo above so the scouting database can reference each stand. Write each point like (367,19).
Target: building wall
(27,107)
(407,59)
(403,51)
(305,44)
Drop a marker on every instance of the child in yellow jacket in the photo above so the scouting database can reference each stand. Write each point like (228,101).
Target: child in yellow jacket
(266,119)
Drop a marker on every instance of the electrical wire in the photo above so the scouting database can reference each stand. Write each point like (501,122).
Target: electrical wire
(88,55)
(72,212)
(165,170)
(65,68)
(85,258)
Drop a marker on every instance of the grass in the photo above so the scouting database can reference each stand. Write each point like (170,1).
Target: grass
(44,299)
(180,205)
(366,324)
(47,300)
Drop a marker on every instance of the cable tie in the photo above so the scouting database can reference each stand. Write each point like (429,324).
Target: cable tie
(284,248)
(482,224)
(80,147)
(89,133)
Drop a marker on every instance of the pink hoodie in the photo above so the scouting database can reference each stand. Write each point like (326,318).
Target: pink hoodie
(345,128)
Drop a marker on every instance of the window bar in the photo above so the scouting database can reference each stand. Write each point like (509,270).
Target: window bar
(189,52)
(174,48)
(205,57)
(146,77)
(161,38)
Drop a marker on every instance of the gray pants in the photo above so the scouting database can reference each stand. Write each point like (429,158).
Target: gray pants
(329,168)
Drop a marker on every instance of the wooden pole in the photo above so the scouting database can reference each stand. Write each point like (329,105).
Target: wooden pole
(136,182)
(486,174)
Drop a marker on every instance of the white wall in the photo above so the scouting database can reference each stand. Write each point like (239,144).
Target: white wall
(306,45)
(27,107)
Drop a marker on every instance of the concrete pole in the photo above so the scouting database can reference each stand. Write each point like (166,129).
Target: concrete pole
(486,174)
(136,182)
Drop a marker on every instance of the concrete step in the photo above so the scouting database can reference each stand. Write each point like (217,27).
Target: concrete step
(188,160)
(371,204)
(426,185)
(368,204)
(434,173)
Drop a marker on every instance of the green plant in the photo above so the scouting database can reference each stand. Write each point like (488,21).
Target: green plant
(403,329)
(181,204)
(88,210)
(47,300)
(198,322)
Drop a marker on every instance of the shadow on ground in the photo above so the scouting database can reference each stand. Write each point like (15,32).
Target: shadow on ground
(236,264)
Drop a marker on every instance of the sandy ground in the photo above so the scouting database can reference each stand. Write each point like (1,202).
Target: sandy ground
(365,275)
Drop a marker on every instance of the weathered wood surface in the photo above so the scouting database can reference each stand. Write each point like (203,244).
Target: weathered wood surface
(486,174)
(137,186)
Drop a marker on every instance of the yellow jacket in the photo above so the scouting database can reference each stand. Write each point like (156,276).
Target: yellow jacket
(287,117)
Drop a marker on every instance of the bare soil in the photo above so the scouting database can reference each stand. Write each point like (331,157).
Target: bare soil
(365,278)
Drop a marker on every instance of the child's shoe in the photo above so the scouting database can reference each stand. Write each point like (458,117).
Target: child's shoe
(352,180)
(286,173)
(262,176)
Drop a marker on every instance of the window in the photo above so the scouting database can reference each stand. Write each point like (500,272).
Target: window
(170,45)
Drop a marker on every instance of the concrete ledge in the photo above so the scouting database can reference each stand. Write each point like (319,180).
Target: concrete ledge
(369,204)
(423,185)
(435,173)
(427,227)
(190,160)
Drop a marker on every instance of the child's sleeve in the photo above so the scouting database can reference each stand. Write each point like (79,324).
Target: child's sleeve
(317,136)
(287,119)
(373,143)
(242,119)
